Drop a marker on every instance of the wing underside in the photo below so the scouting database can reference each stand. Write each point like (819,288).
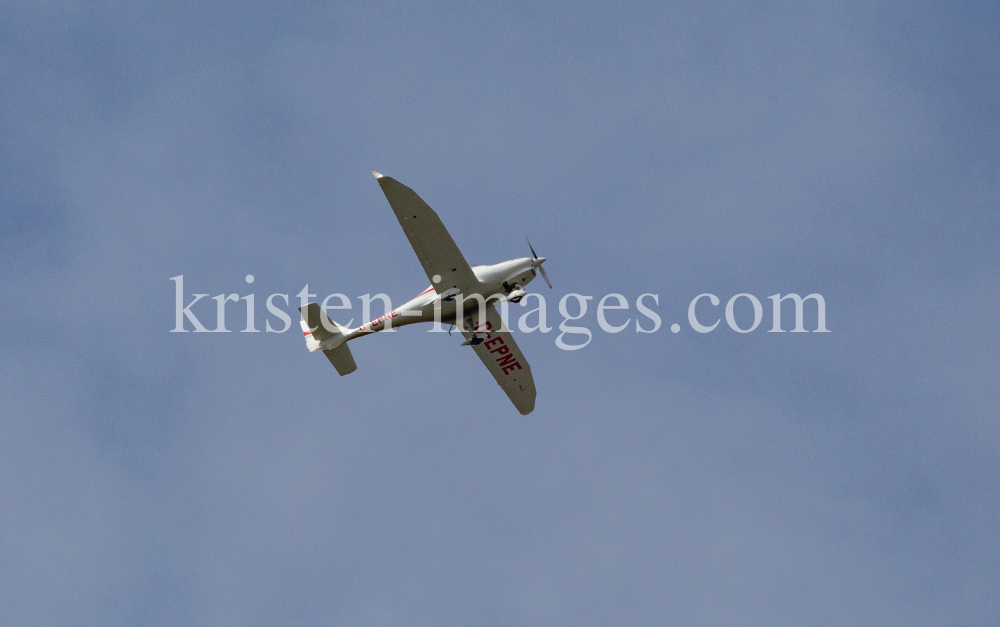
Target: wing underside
(502,358)
(436,250)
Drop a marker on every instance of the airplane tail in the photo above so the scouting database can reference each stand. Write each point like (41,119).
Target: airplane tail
(324,334)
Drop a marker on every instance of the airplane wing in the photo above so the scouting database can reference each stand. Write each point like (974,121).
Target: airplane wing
(503,359)
(435,249)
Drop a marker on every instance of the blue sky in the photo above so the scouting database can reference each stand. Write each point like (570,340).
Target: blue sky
(849,149)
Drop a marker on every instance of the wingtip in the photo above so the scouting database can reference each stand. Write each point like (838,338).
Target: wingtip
(378,175)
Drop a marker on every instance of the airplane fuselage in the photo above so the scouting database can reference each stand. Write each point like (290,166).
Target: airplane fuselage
(496,282)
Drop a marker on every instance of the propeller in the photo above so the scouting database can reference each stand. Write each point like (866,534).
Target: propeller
(539,266)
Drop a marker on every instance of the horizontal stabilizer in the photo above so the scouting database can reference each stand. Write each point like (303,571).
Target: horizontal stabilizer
(342,359)
(317,323)
(326,335)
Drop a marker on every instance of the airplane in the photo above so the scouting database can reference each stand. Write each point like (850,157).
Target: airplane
(453,281)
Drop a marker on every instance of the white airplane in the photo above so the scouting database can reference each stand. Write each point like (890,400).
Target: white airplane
(453,281)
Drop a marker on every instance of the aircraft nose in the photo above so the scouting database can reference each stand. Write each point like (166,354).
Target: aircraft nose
(538,261)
